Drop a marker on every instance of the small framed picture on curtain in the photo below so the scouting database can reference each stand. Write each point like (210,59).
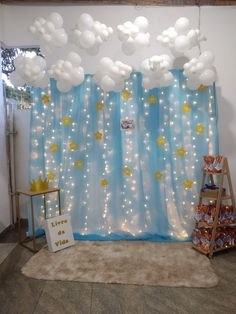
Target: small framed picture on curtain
(127,124)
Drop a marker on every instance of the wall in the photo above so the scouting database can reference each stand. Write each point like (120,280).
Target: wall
(4,198)
(217,23)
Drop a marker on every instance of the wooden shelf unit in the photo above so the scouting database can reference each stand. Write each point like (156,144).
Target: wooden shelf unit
(224,173)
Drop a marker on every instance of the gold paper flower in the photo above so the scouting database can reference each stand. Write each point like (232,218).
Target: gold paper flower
(126,94)
(54,148)
(200,129)
(73,146)
(79,164)
(127,171)
(66,121)
(99,106)
(186,107)
(152,100)
(161,140)
(104,183)
(202,88)
(187,184)
(46,99)
(51,176)
(98,136)
(158,175)
(181,152)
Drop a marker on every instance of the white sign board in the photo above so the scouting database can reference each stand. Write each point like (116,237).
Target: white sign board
(59,233)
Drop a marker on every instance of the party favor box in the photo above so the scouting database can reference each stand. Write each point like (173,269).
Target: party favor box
(59,232)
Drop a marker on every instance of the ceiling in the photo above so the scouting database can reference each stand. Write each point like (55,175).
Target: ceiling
(123,2)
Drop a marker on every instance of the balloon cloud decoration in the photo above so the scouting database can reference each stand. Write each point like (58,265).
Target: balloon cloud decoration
(111,75)
(30,71)
(49,31)
(134,35)
(180,38)
(156,72)
(89,34)
(200,71)
(68,72)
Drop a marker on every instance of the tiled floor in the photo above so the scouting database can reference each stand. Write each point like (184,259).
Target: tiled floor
(19,294)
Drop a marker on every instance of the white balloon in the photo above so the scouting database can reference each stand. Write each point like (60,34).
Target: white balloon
(106,63)
(87,39)
(16,80)
(107,84)
(85,21)
(142,39)
(182,43)
(142,23)
(43,83)
(63,86)
(67,66)
(56,19)
(77,76)
(207,58)
(182,25)
(60,38)
(207,77)
(74,58)
(93,50)
(146,83)
(128,48)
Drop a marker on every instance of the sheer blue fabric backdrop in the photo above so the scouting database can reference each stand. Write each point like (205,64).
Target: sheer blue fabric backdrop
(137,183)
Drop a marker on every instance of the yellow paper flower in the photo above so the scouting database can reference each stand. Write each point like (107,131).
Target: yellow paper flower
(152,100)
(46,99)
(98,136)
(181,152)
(200,129)
(127,171)
(66,121)
(73,146)
(202,88)
(79,164)
(54,148)
(126,94)
(187,184)
(161,140)
(186,107)
(158,175)
(51,176)
(104,183)
(99,106)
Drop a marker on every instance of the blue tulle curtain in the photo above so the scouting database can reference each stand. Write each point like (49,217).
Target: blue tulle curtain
(128,164)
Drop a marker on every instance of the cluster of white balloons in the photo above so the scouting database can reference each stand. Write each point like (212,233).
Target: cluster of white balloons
(49,31)
(68,72)
(156,72)
(180,38)
(30,71)
(134,35)
(200,71)
(111,75)
(89,34)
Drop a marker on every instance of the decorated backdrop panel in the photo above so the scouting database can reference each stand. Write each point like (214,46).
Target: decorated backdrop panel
(127,163)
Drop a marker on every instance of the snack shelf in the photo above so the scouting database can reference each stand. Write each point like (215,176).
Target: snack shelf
(206,225)
(225,197)
(214,250)
(214,228)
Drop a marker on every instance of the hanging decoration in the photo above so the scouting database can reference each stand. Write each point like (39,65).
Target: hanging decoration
(89,34)
(156,72)
(133,183)
(180,38)
(111,75)
(200,71)
(68,72)
(30,71)
(134,35)
(49,31)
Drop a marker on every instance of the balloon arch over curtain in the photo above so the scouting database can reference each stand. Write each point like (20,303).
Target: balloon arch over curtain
(127,163)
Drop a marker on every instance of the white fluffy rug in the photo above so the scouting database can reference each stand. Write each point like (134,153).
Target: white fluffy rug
(125,262)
